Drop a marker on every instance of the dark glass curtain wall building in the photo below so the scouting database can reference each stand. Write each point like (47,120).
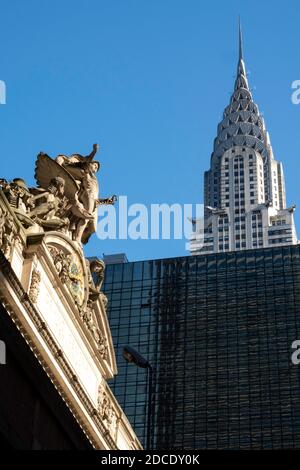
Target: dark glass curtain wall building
(217,330)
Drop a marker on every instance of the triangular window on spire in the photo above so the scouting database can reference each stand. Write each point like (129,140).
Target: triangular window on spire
(240,119)
(240,132)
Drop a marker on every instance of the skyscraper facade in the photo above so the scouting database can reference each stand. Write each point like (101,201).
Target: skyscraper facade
(218,331)
(218,326)
(244,190)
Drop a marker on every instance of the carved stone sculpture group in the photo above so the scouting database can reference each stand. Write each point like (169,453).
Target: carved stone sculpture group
(67,196)
(66,201)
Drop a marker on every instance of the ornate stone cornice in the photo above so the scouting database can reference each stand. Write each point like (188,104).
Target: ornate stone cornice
(34,286)
(53,294)
(56,351)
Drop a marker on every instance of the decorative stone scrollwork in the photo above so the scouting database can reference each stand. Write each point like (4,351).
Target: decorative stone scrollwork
(70,272)
(88,317)
(104,299)
(18,242)
(9,236)
(34,285)
(2,226)
(75,279)
(112,422)
(106,410)
(61,263)
(7,232)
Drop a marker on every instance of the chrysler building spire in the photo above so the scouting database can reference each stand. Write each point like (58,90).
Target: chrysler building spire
(241,78)
(244,192)
(240,41)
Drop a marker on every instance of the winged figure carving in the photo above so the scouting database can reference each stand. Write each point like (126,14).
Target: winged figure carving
(46,169)
(80,187)
(67,196)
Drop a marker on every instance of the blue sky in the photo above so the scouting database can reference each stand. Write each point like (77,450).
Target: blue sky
(148,80)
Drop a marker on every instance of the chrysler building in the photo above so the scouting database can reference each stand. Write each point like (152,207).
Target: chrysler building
(244,192)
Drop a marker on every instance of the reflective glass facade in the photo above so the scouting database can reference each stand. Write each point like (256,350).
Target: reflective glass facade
(217,330)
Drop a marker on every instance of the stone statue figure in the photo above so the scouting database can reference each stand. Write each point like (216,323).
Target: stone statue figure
(81,189)
(97,268)
(50,205)
(83,170)
(2,225)
(40,206)
(19,198)
(16,192)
